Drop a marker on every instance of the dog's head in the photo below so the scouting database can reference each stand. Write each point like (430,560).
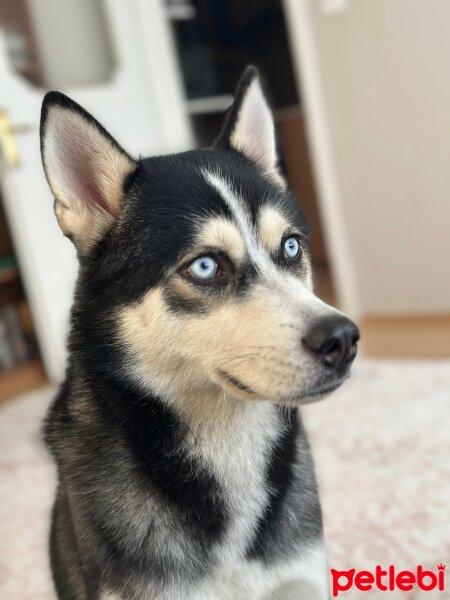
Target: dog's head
(197,263)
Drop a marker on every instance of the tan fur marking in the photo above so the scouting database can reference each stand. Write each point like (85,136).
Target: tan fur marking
(183,288)
(256,341)
(272,227)
(222,234)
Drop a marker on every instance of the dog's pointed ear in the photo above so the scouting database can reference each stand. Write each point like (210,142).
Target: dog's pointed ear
(249,126)
(85,168)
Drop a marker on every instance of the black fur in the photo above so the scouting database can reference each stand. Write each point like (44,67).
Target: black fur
(271,538)
(152,457)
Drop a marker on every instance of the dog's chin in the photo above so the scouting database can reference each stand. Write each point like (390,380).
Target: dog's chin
(316,395)
(310,396)
(241,390)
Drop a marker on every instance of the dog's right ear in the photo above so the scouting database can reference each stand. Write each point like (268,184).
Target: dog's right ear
(249,126)
(85,168)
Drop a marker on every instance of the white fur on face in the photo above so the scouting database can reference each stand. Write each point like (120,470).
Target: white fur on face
(254,239)
(254,341)
(239,212)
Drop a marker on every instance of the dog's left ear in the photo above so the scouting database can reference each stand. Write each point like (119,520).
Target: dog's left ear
(85,168)
(249,126)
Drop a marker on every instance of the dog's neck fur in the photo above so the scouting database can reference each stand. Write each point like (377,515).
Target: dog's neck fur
(227,430)
(209,416)
(215,413)
(212,419)
(235,440)
(221,462)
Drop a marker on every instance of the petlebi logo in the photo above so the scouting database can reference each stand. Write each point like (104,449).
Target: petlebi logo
(388,580)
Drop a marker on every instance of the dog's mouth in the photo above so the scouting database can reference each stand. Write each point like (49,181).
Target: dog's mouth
(319,392)
(239,388)
(235,385)
(314,395)
(324,390)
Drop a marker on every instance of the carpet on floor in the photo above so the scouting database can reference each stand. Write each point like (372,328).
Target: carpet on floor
(382,450)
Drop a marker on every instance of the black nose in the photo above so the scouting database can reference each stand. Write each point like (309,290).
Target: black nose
(334,341)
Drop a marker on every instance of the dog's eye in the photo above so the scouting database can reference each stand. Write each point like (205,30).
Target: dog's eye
(204,268)
(291,247)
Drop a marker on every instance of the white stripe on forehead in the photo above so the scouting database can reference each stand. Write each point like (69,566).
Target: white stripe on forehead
(257,253)
(241,217)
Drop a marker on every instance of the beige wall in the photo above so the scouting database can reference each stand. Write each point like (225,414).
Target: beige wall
(385,71)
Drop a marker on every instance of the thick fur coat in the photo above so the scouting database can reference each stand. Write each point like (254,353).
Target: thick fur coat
(184,471)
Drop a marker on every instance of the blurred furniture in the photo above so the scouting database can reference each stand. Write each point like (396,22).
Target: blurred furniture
(20,366)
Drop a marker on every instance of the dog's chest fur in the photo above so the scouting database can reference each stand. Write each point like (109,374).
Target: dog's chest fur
(182,508)
(237,448)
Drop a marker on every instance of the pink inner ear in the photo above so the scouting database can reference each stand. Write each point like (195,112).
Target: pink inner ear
(96,198)
(83,173)
(254,132)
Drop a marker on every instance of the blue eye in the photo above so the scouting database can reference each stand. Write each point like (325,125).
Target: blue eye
(291,247)
(203,268)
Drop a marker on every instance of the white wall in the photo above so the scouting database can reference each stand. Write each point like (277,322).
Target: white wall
(384,69)
(73,40)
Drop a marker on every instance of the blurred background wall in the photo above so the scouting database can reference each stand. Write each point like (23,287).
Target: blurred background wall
(375,81)
(74,42)
(384,67)
(360,97)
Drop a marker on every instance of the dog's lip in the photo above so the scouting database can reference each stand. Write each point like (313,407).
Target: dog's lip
(235,382)
(315,394)
(325,389)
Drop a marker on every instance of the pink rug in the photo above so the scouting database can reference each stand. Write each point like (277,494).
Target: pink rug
(382,448)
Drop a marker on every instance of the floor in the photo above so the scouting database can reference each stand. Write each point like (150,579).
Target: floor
(24,378)
(382,449)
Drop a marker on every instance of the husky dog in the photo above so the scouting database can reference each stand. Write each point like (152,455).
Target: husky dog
(184,470)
